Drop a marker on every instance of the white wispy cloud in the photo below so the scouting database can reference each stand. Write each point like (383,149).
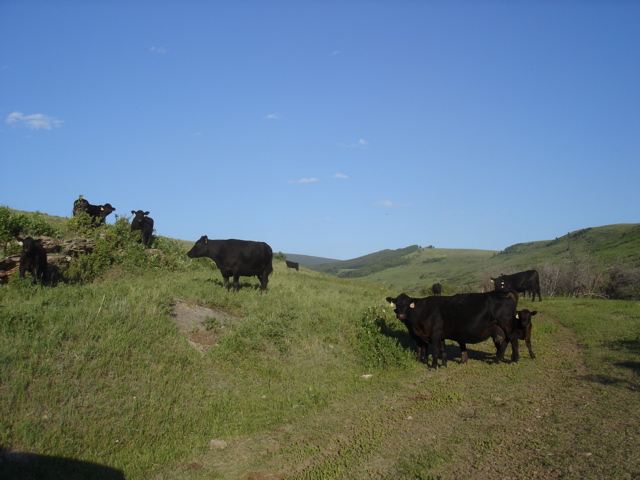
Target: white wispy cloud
(361,143)
(389,203)
(35,121)
(272,116)
(341,175)
(305,180)
(159,50)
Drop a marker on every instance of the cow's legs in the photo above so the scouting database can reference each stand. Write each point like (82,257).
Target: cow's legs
(515,354)
(533,295)
(464,356)
(443,348)
(528,342)
(501,349)
(435,351)
(236,282)
(264,280)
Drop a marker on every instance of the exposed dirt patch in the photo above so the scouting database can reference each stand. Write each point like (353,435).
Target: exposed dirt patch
(201,325)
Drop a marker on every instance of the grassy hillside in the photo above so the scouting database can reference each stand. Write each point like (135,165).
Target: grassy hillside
(314,379)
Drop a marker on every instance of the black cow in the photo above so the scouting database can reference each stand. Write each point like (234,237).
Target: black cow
(293,265)
(520,282)
(236,258)
(463,318)
(523,329)
(436,289)
(144,224)
(403,314)
(98,212)
(33,259)
(518,327)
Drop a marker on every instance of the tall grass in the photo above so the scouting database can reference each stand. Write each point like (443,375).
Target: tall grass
(99,372)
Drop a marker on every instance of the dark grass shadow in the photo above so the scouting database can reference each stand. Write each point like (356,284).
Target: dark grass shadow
(246,284)
(632,366)
(631,345)
(30,466)
(611,381)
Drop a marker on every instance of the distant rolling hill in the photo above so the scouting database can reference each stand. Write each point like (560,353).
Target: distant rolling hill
(414,269)
(309,261)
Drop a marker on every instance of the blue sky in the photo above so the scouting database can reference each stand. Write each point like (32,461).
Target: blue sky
(327,128)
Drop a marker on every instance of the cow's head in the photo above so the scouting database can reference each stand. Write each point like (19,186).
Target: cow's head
(28,243)
(200,248)
(524,317)
(106,209)
(499,283)
(403,304)
(139,215)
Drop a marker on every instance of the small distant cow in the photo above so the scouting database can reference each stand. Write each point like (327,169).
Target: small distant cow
(33,259)
(99,212)
(436,289)
(295,265)
(236,258)
(521,282)
(144,224)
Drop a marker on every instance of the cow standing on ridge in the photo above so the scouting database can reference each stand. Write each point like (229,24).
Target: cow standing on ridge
(33,259)
(98,212)
(236,258)
(144,224)
(293,265)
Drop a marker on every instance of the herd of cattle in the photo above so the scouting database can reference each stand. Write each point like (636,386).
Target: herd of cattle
(470,318)
(464,318)
(33,258)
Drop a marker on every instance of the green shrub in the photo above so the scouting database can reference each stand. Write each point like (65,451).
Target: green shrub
(378,342)
(83,224)
(14,225)
(116,245)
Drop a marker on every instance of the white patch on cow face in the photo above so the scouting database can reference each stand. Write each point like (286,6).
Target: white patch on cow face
(392,305)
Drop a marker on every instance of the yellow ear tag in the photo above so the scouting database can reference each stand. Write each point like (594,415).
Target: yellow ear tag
(517,316)
(413,305)
(392,305)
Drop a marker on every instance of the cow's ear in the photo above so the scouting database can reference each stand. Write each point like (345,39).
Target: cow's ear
(534,313)
(146,213)
(206,240)
(413,305)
